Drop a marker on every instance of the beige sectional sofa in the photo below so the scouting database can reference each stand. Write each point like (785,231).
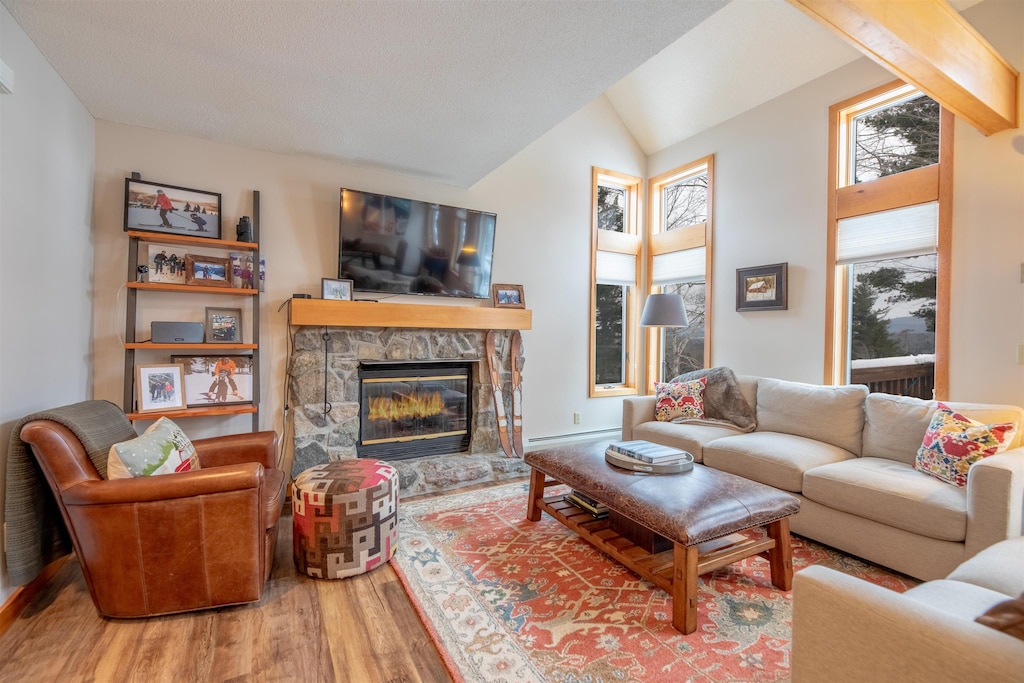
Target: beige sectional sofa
(849,456)
(846,630)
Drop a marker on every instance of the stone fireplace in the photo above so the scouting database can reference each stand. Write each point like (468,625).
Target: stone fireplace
(328,409)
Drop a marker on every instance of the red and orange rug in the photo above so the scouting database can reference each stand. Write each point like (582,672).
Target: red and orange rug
(506,599)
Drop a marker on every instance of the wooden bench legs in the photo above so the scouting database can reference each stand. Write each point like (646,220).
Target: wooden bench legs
(688,561)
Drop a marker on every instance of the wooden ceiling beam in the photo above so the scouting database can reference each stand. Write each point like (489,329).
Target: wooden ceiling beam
(927,43)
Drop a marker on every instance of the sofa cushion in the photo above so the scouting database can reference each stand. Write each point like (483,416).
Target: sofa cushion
(834,415)
(778,460)
(162,449)
(679,400)
(954,442)
(964,600)
(895,425)
(890,493)
(999,567)
(688,436)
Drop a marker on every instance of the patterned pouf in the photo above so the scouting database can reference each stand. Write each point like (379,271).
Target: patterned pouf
(344,517)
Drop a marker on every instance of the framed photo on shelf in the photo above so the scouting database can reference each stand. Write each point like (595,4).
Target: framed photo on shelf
(216,380)
(223,325)
(508,296)
(243,270)
(157,207)
(167,264)
(208,271)
(337,290)
(762,288)
(159,388)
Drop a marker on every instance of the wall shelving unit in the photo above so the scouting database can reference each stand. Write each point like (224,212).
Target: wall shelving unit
(132,305)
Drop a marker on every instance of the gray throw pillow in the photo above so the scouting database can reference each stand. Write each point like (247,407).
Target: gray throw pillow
(723,399)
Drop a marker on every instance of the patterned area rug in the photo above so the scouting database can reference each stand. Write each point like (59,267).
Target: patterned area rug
(511,600)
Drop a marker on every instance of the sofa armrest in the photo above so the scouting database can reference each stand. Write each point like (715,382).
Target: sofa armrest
(846,630)
(995,497)
(635,411)
(258,447)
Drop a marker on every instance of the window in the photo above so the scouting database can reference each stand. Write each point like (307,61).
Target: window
(615,256)
(889,215)
(679,247)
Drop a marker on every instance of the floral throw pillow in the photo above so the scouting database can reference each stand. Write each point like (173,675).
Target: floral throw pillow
(954,442)
(162,449)
(679,400)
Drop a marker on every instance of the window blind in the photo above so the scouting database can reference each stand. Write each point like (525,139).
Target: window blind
(614,268)
(687,265)
(908,231)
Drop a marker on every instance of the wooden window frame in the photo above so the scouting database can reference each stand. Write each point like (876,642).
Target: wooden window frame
(659,241)
(626,242)
(845,200)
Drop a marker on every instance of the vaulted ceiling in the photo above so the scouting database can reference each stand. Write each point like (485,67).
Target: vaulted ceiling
(445,89)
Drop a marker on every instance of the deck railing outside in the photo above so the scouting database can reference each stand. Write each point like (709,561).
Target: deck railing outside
(904,375)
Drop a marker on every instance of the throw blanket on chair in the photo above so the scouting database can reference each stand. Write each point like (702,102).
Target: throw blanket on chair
(36,534)
(724,403)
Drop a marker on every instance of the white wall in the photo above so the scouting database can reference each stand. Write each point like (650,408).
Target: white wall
(541,197)
(46,163)
(770,206)
(988,236)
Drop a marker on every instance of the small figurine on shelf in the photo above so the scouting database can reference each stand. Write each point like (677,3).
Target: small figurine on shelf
(244,229)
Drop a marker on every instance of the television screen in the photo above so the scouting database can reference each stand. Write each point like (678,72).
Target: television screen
(405,246)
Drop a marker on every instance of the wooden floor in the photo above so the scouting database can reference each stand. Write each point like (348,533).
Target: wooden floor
(362,629)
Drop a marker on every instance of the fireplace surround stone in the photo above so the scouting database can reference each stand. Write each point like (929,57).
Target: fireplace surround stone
(325,362)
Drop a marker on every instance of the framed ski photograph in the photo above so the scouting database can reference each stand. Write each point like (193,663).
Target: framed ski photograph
(158,388)
(339,290)
(216,380)
(156,207)
(208,271)
(167,264)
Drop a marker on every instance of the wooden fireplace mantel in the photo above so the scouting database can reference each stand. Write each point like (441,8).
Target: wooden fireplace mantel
(328,313)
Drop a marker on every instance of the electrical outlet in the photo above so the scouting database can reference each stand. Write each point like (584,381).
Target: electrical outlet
(577,418)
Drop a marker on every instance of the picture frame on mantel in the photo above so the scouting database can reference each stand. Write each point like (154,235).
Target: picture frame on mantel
(762,288)
(507,296)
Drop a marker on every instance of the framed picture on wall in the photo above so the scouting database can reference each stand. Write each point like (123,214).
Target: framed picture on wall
(159,388)
(157,207)
(762,288)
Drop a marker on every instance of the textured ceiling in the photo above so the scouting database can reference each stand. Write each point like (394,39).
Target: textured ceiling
(441,89)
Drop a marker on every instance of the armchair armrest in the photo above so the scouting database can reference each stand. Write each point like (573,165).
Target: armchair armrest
(846,630)
(258,447)
(246,475)
(635,411)
(995,497)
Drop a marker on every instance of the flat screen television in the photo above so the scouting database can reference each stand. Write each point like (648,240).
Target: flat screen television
(405,246)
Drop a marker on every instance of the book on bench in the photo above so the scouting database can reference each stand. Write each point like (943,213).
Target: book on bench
(587,504)
(648,452)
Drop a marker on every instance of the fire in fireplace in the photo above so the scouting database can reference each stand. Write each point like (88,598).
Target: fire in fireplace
(409,410)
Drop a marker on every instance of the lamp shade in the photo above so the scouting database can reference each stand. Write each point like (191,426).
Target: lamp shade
(664,310)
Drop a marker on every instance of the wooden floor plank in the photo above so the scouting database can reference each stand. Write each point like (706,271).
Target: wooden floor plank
(361,629)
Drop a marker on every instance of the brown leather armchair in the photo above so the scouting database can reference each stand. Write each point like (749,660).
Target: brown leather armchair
(174,542)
